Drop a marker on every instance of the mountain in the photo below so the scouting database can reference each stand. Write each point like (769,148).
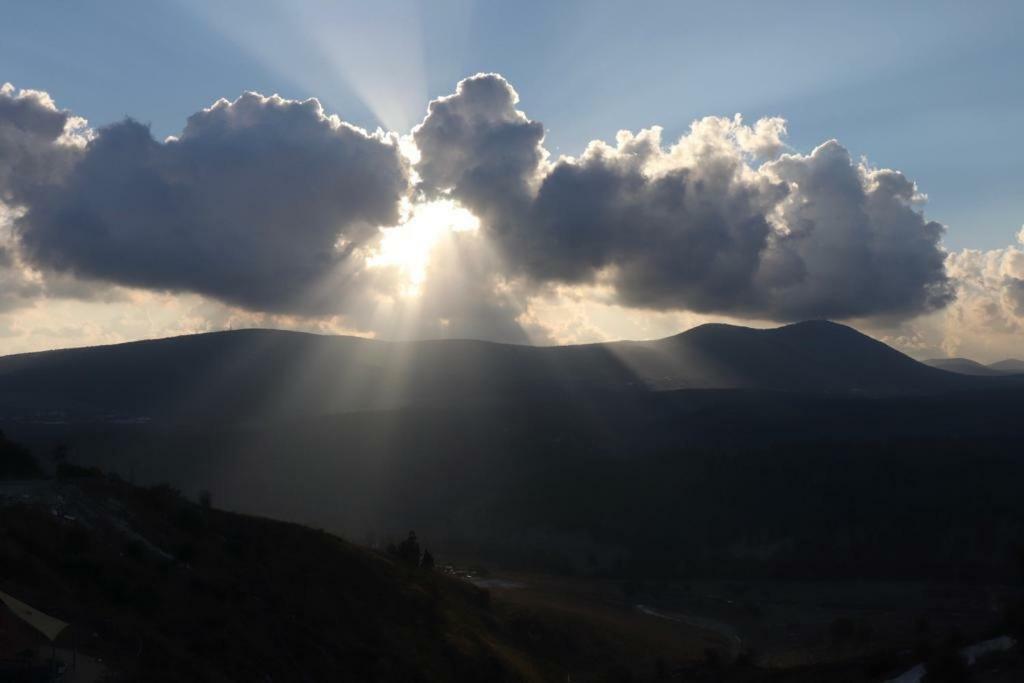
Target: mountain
(813,356)
(966,366)
(963,366)
(668,457)
(1012,365)
(267,374)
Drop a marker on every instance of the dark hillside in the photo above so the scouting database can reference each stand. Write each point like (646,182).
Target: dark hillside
(669,482)
(258,375)
(809,356)
(164,590)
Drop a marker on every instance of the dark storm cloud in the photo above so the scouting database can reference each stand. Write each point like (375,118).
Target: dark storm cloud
(32,152)
(854,243)
(688,237)
(694,226)
(256,203)
(269,204)
(31,112)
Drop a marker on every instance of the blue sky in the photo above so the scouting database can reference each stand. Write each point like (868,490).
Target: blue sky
(933,89)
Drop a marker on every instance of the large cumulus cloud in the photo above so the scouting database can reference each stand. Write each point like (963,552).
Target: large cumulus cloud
(985,321)
(990,295)
(256,203)
(476,146)
(38,142)
(693,226)
(850,242)
(272,205)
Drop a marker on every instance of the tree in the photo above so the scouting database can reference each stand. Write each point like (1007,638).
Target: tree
(428,560)
(409,550)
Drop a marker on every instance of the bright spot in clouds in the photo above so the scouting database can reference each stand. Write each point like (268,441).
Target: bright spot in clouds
(408,246)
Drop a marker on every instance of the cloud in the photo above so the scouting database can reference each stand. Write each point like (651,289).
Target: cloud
(990,301)
(985,321)
(16,290)
(694,226)
(259,202)
(763,139)
(22,286)
(1015,292)
(272,206)
(850,242)
(38,142)
(476,146)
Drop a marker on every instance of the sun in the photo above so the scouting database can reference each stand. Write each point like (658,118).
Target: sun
(408,246)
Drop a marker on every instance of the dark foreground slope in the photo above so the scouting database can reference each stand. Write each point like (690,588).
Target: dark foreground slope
(263,374)
(159,589)
(163,590)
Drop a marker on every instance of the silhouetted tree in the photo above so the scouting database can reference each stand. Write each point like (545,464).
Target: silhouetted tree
(206,499)
(409,550)
(428,560)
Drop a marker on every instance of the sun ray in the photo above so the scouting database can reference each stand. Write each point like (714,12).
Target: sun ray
(408,246)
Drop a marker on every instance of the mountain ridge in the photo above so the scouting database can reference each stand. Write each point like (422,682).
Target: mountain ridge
(1013,365)
(968,366)
(240,375)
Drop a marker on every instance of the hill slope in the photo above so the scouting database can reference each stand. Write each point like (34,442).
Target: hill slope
(1014,365)
(163,590)
(964,366)
(813,356)
(155,588)
(264,374)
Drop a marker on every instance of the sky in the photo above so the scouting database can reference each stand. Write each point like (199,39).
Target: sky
(489,248)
